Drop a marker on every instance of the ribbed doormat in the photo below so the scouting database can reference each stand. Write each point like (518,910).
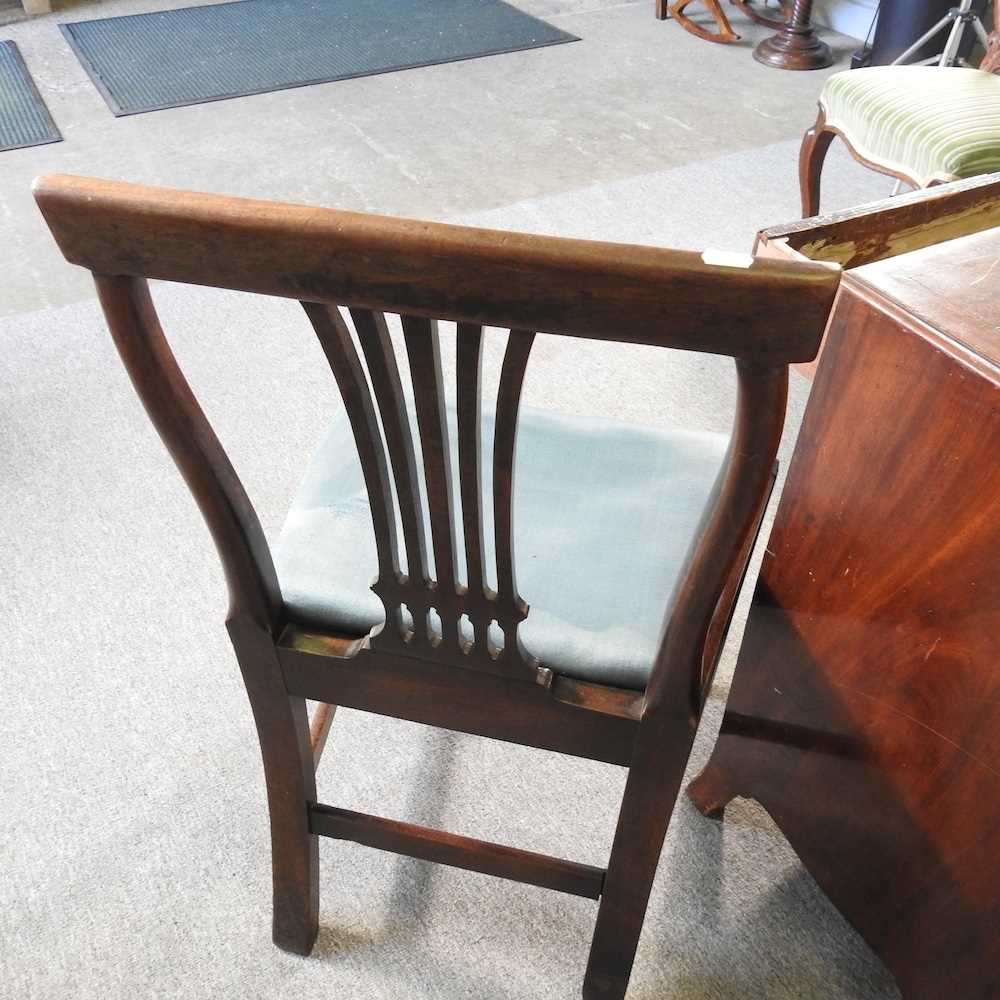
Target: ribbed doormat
(144,62)
(24,118)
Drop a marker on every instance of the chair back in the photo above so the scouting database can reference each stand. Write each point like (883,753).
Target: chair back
(763,313)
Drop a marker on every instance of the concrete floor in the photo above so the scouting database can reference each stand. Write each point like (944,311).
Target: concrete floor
(634,98)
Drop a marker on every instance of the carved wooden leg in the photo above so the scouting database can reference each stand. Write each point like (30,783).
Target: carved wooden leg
(796,45)
(650,795)
(725,33)
(661,10)
(711,791)
(815,144)
(283,728)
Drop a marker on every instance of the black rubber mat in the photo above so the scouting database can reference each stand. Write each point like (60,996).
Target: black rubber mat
(24,118)
(144,62)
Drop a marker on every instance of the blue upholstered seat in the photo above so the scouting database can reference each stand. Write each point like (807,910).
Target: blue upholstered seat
(604,513)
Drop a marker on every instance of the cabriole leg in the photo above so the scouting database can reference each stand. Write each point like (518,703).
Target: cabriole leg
(815,144)
(283,728)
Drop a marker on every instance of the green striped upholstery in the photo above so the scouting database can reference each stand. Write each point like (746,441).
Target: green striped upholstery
(926,122)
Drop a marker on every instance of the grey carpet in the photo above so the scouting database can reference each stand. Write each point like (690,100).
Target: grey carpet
(24,118)
(145,62)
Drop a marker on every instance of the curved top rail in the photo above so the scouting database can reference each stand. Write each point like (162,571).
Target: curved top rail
(762,310)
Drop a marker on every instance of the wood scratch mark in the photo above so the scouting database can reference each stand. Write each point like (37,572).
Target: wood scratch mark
(882,703)
(989,271)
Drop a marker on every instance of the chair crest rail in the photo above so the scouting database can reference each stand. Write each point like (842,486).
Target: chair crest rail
(603,291)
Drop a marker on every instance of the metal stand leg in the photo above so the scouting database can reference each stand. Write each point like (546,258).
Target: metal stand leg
(958,17)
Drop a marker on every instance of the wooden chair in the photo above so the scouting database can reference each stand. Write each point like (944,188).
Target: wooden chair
(923,125)
(433,657)
(725,33)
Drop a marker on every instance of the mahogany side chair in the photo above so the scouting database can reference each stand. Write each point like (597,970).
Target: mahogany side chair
(923,125)
(589,671)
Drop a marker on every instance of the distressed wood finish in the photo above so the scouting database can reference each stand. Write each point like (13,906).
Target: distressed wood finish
(889,227)
(885,229)
(765,314)
(865,709)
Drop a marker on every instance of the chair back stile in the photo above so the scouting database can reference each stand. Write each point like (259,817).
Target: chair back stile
(254,593)
(680,678)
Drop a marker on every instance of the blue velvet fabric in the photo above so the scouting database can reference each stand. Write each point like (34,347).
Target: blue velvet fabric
(604,512)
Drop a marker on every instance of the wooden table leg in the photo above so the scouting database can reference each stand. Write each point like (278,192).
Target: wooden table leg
(795,46)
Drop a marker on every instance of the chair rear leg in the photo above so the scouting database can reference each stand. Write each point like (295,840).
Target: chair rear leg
(283,728)
(815,144)
(650,794)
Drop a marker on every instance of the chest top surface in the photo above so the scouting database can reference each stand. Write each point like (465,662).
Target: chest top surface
(953,287)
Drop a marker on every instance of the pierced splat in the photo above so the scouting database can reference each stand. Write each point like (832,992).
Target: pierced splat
(425,612)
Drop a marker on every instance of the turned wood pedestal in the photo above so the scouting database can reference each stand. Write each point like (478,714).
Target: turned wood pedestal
(796,45)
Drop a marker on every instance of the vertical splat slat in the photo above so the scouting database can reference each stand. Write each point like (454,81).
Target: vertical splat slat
(376,344)
(393,460)
(424,354)
(469,405)
(335,339)
(513,609)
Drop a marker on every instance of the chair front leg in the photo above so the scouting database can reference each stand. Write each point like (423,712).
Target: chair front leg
(651,791)
(289,772)
(815,144)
